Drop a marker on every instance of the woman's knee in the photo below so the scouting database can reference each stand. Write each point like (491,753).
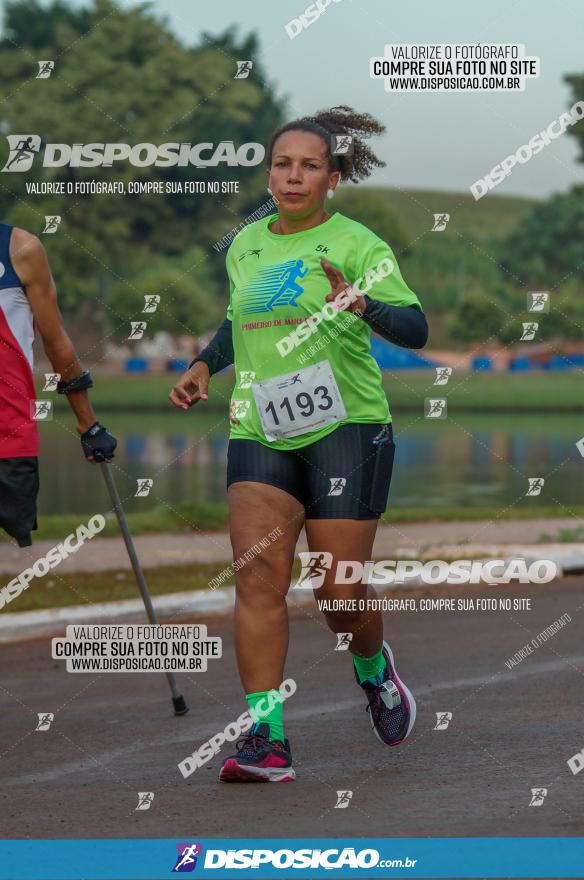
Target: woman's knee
(262,582)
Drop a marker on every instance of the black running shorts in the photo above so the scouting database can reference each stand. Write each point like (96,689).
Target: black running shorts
(19,486)
(346,475)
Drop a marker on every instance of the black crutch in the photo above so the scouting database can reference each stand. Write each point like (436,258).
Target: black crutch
(180,707)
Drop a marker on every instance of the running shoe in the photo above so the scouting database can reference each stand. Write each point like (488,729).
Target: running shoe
(391,706)
(259,759)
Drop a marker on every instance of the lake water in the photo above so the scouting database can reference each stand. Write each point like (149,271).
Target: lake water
(471,460)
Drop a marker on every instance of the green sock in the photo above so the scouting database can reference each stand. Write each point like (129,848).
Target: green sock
(274,717)
(369,667)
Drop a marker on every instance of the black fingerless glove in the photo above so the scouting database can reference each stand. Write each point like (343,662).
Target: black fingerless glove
(98,443)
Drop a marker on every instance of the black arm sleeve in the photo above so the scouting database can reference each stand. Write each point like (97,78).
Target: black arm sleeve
(405,326)
(219,353)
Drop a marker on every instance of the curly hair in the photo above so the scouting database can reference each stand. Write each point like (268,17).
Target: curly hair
(340,120)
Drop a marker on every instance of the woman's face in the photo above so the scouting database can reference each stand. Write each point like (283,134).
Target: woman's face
(299,177)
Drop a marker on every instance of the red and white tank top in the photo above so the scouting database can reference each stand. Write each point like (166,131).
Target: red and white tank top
(18,430)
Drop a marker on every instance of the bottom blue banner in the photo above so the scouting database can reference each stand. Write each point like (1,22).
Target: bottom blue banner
(500,857)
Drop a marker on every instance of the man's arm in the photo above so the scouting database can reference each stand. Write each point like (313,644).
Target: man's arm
(31,264)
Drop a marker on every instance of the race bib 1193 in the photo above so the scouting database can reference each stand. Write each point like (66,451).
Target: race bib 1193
(298,402)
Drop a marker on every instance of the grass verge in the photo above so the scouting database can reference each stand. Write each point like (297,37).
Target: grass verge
(538,391)
(215,518)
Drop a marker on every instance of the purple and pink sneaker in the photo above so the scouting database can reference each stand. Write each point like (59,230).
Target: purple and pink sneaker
(391,706)
(259,759)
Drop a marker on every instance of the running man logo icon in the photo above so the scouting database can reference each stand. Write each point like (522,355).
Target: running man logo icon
(529,330)
(342,145)
(314,568)
(45,69)
(23,149)
(41,410)
(337,485)
(536,484)
(343,641)
(188,854)
(538,796)
(145,799)
(51,381)
(343,800)
(144,486)
(273,286)
(435,408)
(151,302)
(246,378)
(443,719)
(250,253)
(538,302)
(440,222)
(45,720)
(294,380)
(443,374)
(243,69)
(51,224)
(137,329)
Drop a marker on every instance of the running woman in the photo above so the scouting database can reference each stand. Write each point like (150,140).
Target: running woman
(311,439)
(28,302)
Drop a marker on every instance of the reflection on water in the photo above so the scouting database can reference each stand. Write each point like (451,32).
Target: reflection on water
(471,460)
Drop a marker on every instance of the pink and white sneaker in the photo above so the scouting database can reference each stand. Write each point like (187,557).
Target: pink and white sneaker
(259,759)
(391,705)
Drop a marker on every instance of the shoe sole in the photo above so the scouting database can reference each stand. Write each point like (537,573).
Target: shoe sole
(231,771)
(411,701)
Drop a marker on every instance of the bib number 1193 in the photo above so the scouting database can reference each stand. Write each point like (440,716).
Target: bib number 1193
(296,403)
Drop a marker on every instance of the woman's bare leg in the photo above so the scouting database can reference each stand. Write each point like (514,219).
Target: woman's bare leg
(348,539)
(261,613)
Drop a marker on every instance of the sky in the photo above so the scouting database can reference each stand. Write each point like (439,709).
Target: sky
(440,141)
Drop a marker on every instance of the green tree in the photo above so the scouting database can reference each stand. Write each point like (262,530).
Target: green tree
(477,317)
(548,247)
(576,81)
(565,319)
(122,76)
(189,301)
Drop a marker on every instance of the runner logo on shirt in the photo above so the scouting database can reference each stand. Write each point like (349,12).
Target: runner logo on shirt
(273,286)
(255,253)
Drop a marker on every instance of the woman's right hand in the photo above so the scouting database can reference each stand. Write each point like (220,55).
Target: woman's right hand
(191,387)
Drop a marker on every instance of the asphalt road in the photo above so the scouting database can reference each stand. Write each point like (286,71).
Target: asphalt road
(511,730)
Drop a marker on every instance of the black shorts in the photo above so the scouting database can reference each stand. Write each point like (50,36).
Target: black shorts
(346,475)
(19,486)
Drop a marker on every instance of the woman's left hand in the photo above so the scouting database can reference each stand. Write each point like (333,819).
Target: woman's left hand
(340,284)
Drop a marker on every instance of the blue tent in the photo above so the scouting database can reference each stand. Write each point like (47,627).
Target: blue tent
(391,357)
(481,364)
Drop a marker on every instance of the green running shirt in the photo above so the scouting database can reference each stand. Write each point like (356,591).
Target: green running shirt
(276,282)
